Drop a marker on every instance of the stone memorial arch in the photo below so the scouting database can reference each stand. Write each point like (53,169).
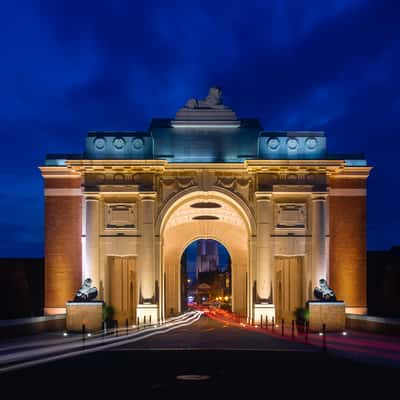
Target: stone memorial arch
(122,213)
(206,213)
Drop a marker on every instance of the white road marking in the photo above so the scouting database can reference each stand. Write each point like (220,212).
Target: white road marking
(178,322)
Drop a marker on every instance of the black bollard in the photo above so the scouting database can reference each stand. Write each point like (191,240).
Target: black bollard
(266,322)
(83,333)
(144,321)
(252,320)
(292,329)
(150,320)
(306,332)
(138,323)
(116,327)
(126,326)
(324,336)
(273,324)
(283,327)
(261,321)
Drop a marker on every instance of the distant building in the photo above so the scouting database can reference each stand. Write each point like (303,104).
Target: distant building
(21,287)
(207,256)
(383,272)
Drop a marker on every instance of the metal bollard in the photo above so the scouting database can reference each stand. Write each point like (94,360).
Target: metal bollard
(266,322)
(144,320)
(324,336)
(273,324)
(261,321)
(150,320)
(306,332)
(116,327)
(138,323)
(283,327)
(292,329)
(126,326)
(83,333)
(104,328)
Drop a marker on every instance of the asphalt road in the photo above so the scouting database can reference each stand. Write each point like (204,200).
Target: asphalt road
(215,357)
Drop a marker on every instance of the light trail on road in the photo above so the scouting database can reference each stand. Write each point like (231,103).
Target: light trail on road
(360,346)
(98,342)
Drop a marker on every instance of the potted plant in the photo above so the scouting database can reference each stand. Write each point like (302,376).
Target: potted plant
(302,316)
(108,314)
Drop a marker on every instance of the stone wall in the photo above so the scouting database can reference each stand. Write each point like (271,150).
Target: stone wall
(331,314)
(89,314)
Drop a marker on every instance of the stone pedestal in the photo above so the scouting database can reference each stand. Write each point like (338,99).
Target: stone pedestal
(332,314)
(88,313)
(147,313)
(263,310)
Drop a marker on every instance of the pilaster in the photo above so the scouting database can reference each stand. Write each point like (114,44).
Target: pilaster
(264,263)
(320,239)
(146,263)
(92,240)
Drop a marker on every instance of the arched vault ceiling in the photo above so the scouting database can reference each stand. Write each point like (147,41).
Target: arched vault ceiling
(187,213)
(178,237)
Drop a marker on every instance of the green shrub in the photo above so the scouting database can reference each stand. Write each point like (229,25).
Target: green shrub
(302,314)
(108,313)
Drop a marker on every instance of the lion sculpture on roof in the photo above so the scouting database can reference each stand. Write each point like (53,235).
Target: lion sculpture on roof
(213,100)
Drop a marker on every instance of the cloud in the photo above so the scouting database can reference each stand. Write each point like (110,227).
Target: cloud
(72,66)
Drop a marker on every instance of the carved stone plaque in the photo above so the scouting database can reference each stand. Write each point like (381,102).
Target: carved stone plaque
(290,215)
(120,216)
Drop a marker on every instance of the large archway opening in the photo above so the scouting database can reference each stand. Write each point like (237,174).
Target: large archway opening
(206,275)
(204,215)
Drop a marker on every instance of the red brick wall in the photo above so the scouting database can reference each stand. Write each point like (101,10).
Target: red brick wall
(63,250)
(348,244)
(61,183)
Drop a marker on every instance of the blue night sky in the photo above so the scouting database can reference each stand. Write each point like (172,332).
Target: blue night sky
(74,66)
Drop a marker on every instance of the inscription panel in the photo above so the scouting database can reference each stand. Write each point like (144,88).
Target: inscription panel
(120,216)
(290,216)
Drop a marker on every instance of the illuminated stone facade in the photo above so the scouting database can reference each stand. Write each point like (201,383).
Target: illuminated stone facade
(124,211)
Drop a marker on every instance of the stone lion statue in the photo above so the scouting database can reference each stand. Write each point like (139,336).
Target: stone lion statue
(213,100)
(323,292)
(86,292)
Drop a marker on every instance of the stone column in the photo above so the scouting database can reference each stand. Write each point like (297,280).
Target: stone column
(264,264)
(159,275)
(146,264)
(320,240)
(92,241)
(252,258)
(263,306)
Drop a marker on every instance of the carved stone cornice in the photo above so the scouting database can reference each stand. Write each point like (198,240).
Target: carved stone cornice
(58,172)
(123,166)
(294,166)
(352,173)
